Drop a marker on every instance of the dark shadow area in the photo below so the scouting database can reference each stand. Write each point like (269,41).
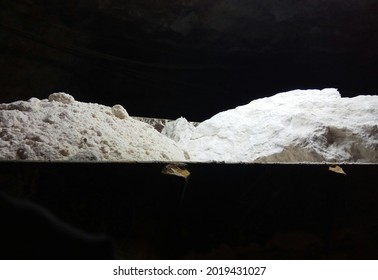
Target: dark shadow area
(29,231)
(237,211)
(185,58)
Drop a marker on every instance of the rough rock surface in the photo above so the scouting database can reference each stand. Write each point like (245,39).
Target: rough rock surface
(294,126)
(60,128)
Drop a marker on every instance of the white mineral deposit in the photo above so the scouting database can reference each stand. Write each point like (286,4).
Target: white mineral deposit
(60,128)
(295,126)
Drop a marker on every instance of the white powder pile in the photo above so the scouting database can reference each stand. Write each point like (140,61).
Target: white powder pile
(179,130)
(61,128)
(295,126)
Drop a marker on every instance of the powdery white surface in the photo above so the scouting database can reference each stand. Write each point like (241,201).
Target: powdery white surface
(294,126)
(60,128)
(179,130)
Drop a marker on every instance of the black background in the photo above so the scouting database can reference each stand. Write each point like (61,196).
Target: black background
(185,58)
(223,211)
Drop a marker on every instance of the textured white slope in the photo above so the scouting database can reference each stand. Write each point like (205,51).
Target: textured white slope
(61,128)
(295,126)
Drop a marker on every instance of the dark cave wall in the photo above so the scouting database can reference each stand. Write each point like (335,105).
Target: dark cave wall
(185,58)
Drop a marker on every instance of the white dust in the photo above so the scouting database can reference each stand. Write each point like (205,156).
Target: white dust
(60,128)
(294,126)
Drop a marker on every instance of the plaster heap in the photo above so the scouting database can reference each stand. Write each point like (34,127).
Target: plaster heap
(294,126)
(60,128)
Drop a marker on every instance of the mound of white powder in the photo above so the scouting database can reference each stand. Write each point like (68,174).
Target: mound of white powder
(60,128)
(295,126)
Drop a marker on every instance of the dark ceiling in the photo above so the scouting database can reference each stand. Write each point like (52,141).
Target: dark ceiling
(190,58)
